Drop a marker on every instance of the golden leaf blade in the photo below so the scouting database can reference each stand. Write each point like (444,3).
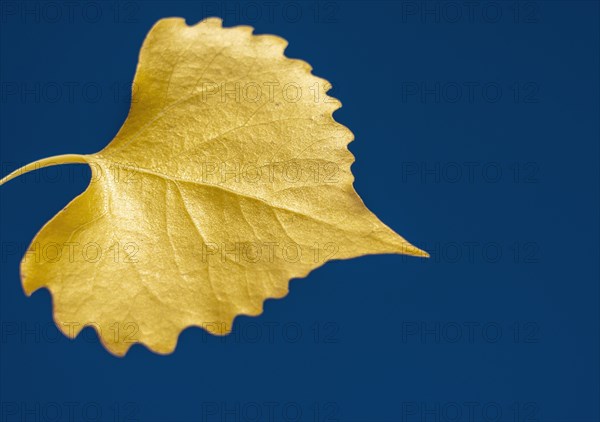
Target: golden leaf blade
(222,195)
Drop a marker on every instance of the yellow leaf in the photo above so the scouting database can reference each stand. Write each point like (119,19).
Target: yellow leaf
(229,178)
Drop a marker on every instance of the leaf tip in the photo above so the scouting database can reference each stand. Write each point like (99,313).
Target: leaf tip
(408,249)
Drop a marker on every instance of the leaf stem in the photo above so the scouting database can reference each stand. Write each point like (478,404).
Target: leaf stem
(46,162)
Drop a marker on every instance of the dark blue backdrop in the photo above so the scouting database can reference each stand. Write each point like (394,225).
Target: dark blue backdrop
(476,137)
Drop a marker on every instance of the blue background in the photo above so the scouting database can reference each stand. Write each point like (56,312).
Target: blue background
(514,244)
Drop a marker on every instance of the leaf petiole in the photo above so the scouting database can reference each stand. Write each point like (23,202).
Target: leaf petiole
(46,162)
